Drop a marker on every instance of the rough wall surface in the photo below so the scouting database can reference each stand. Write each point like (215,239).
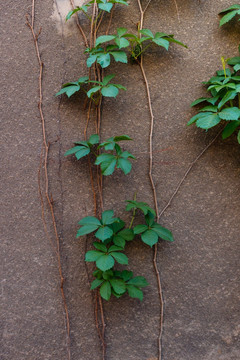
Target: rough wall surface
(199,271)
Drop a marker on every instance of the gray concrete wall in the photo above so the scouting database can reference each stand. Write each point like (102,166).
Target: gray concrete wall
(199,271)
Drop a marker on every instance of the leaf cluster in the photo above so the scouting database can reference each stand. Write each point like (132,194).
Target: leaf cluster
(229,14)
(116,159)
(112,236)
(117,283)
(103,5)
(224,101)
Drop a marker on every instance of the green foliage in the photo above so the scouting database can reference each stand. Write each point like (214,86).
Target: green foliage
(224,89)
(114,235)
(110,161)
(229,13)
(110,233)
(117,283)
(106,89)
(144,207)
(116,159)
(83,148)
(102,57)
(103,5)
(71,88)
(152,231)
(133,43)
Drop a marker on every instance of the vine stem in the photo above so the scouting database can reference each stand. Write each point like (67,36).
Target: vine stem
(187,172)
(45,164)
(160,293)
(79,25)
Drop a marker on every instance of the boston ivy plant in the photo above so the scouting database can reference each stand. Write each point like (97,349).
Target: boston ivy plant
(230,13)
(117,283)
(103,5)
(224,101)
(112,235)
(116,159)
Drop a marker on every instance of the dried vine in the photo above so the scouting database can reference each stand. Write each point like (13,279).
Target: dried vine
(44,163)
(160,293)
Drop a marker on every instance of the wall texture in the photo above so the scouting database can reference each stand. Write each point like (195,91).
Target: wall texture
(199,271)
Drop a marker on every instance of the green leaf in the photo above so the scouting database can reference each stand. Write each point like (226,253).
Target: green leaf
(162,232)
(149,237)
(94,139)
(115,248)
(122,42)
(104,60)
(161,42)
(81,153)
(134,292)
(120,56)
(83,80)
(124,165)
(126,234)
(230,95)
(89,220)
(86,229)
(147,33)
(117,226)
(144,207)
(198,101)
(106,7)
(107,217)
(69,90)
(230,128)
(105,290)
(100,246)
(70,14)
(104,233)
(93,90)
(105,262)
(238,137)
(232,7)
(104,38)
(126,275)
(107,274)
(209,108)
(96,283)
(120,258)
(119,241)
(110,91)
(107,78)
(104,158)
(234,61)
(237,67)
(108,167)
(121,138)
(74,150)
(208,121)
(140,229)
(92,255)
(138,281)
(231,113)
(197,116)
(228,17)
(121,31)
(118,286)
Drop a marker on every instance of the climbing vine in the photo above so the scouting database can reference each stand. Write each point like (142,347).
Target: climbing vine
(110,234)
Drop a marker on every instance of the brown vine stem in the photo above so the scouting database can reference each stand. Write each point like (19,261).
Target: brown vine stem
(176,5)
(160,294)
(79,25)
(187,172)
(48,197)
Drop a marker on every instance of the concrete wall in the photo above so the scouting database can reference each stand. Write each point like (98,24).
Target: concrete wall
(198,271)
